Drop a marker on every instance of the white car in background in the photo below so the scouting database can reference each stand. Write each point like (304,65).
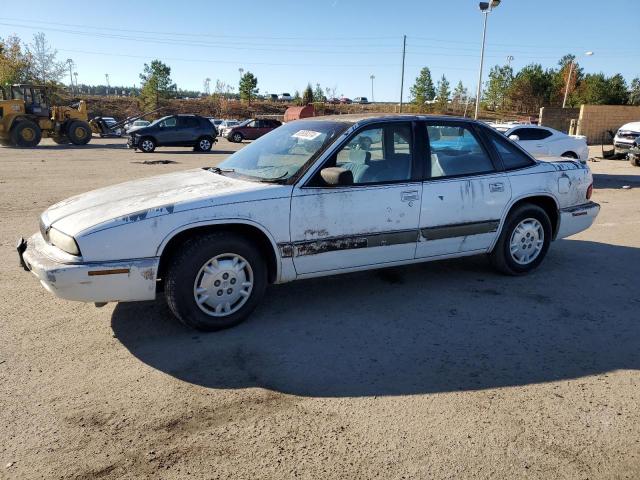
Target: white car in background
(625,136)
(545,141)
(130,127)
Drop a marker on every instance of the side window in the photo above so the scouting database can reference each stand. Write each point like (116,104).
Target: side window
(252,124)
(531,133)
(378,155)
(512,157)
(169,122)
(456,151)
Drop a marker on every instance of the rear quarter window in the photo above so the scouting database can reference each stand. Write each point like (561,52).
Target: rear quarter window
(512,157)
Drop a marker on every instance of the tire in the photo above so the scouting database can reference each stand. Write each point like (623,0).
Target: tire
(570,155)
(79,132)
(534,222)
(237,137)
(146,145)
(26,134)
(192,292)
(634,160)
(205,144)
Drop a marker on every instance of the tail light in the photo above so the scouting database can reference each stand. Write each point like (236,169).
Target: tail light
(589,191)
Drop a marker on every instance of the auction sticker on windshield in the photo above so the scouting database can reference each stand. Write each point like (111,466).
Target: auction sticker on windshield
(306,134)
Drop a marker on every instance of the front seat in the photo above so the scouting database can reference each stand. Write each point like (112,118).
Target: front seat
(358,164)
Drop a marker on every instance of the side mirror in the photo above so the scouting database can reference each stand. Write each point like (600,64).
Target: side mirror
(335,176)
(514,138)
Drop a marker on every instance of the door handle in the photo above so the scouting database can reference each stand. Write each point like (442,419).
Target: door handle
(496,187)
(409,196)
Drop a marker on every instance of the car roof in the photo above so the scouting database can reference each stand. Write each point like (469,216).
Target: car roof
(363,118)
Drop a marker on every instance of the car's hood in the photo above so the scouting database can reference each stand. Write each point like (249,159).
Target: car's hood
(633,127)
(147,198)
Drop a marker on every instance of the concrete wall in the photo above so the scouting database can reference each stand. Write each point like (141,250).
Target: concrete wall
(595,120)
(558,118)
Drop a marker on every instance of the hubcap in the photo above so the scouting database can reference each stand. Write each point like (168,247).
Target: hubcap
(205,144)
(223,285)
(527,241)
(80,133)
(147,145)
(28,134)
(237,137)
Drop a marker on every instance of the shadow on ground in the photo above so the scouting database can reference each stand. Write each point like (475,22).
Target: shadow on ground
(602,180)
(435,327)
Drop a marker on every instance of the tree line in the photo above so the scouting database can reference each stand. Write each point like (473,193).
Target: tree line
(531,88)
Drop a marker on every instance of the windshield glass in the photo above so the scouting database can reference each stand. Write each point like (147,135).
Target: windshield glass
(155,122)
(281,153)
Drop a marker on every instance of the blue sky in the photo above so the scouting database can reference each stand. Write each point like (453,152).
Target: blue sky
(336,43)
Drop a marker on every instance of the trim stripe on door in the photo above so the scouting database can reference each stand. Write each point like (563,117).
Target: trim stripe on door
(398,237)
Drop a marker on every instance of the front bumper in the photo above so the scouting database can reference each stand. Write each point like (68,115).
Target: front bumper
(622,147)
(123,280)
(576,219)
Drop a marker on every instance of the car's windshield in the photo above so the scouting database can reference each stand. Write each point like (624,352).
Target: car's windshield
(155,122)
(282,153)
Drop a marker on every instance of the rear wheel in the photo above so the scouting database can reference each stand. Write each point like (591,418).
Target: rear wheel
(79,132)
(26,134)
(204,144)
(215,281)
(523,242)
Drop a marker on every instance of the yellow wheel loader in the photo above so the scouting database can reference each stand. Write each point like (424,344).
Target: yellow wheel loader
(26,116)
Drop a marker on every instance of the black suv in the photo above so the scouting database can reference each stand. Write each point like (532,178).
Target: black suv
(175,131)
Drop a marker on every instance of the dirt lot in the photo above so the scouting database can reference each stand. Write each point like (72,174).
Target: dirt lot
(442,370)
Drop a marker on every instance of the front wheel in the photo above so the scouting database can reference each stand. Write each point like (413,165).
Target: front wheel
(523,242)
(79,132)
(237,137)
(215,281)
(147,145)
(634,159)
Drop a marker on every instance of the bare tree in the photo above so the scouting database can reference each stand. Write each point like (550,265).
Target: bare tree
(45,66)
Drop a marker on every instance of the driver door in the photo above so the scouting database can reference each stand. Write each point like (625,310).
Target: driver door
(372,222)
(167,131)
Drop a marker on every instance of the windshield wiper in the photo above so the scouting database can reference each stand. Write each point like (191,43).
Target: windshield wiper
(220,171)
(281,179)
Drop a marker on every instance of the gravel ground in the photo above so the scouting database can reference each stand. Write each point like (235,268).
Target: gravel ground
(441,370)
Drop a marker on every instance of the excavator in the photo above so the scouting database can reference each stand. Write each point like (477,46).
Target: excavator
(26,116)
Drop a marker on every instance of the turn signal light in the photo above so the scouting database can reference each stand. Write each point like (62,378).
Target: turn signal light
(589,191)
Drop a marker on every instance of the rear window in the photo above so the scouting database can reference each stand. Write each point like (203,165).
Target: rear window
(512,157)
(531,133)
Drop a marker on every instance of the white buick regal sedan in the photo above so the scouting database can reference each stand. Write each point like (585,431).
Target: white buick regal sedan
(314,197)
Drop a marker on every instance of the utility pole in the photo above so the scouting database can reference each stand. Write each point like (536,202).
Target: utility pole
(70,62)
(372,77)
(404,51)
(75,74)
(106,76)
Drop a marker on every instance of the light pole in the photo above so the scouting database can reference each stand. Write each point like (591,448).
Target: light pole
(485,8)
(372,77)
(566,88)
(70,62)
(106,76)
(75,74)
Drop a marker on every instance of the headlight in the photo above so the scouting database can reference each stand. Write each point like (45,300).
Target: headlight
(63,242)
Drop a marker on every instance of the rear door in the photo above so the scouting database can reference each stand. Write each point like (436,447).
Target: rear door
(464,193)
